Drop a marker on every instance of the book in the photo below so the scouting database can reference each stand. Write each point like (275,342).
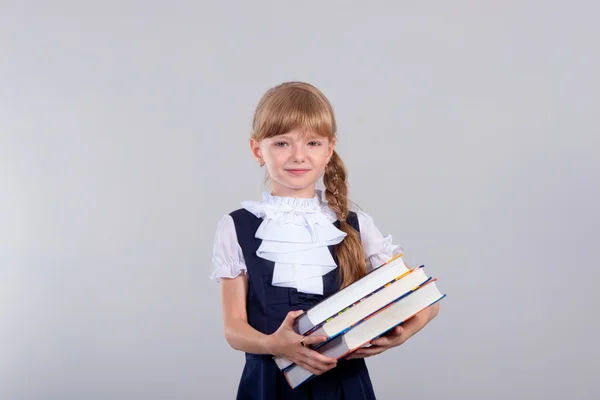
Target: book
(371,328)
(339,301)
(374,301)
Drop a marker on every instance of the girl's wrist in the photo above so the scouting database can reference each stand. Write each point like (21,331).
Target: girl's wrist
(269,344)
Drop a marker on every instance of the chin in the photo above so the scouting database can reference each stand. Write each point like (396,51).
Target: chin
(297,184)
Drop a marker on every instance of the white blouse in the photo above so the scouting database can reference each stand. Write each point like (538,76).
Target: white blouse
(295,234)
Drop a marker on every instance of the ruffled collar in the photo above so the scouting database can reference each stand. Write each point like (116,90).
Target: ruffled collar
(295,234)
(286,203)
(276,207)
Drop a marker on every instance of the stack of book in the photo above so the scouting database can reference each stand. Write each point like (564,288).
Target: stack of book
(363,311)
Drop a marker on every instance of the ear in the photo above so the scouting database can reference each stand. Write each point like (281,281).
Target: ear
(331,148)
(255,148)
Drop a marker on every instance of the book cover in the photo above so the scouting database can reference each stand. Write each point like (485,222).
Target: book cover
(371,328)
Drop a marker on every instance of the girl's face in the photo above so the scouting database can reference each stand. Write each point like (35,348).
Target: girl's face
(295,162)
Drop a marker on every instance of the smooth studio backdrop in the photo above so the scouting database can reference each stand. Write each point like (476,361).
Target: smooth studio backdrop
(469,130)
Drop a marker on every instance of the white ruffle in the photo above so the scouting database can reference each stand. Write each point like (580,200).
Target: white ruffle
(229,270)
(386,251)
(295,234)
(377,247)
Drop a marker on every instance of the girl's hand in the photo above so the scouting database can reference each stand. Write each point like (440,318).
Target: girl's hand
(398,335)
(287,343)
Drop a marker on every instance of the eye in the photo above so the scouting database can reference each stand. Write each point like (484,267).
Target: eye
(280,144)
(314,143)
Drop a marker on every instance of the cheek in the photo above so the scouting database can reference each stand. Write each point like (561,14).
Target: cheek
(276,158)
(320,159)
(279,158)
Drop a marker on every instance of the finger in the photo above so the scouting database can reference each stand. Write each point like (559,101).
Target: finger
(314,356)
(368,351)
(371,351)
(394,332)
(317,364)
(391,338)
(321,358)
(311,365)
(383,341)
(309,368)
(312,340)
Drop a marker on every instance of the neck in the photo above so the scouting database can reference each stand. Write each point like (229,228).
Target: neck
(307,192)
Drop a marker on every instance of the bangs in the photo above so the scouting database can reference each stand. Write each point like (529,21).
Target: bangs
(291,108)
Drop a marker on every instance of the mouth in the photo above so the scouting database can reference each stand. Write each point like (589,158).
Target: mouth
(297,171)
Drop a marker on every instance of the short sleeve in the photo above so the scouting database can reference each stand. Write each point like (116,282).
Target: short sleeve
(378,248)
(227,259)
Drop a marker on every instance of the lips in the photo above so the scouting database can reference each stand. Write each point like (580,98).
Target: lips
(297,171)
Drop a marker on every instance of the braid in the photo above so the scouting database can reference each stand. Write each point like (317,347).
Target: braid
(350,253)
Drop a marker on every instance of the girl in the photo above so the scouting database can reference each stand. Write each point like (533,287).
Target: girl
(277,257)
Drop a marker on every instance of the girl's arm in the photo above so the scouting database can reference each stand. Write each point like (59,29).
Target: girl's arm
(238,333)
(284,342)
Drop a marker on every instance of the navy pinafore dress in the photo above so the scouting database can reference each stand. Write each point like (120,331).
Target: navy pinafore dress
(267,307)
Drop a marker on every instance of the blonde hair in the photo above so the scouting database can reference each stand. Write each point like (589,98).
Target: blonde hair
(293,105)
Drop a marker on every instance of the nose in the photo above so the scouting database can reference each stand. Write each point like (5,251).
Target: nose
(299,155)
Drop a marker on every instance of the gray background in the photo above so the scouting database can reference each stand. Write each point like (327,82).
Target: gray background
(468,128)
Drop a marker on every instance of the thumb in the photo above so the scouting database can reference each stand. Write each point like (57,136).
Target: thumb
(291,317)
